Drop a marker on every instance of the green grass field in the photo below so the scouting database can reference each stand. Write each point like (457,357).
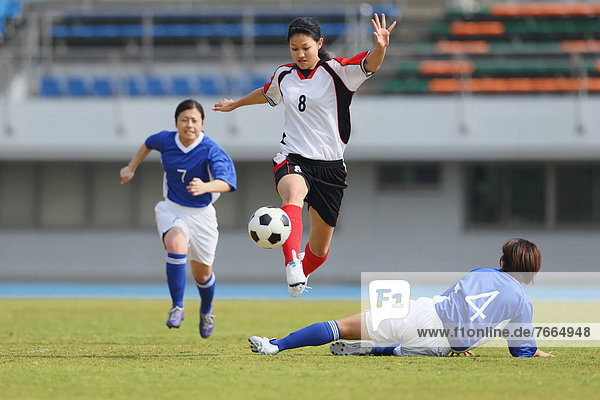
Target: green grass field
(120,349)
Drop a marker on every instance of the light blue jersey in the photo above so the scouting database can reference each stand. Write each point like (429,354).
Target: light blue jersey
(203,159)
(487,298)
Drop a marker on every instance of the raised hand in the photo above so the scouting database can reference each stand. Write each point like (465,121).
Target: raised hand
(381,33)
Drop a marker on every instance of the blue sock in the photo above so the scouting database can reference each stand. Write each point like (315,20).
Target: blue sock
(176,277)
(207,292)
(313,335)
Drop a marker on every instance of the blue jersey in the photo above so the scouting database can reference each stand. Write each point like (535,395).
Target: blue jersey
(487,298)
(203,159)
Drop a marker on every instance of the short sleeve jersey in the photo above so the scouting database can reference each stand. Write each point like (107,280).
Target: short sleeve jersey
(203,159)
(317,107)
(487,298)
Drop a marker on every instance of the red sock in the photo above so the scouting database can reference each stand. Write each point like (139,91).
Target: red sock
(312,262)
(293,242)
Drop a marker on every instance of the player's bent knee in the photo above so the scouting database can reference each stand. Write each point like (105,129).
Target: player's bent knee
(176,241)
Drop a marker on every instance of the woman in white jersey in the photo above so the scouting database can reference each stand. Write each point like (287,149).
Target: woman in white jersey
(484,298)
(196,168)
(316,91)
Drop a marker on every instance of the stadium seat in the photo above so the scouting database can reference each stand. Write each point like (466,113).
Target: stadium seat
(76,86)
(155,86)
(132,86)
(181,86)
(50,86)
(209,86)
(102,87)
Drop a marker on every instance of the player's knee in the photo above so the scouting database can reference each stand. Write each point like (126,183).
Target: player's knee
(176,241)
(293,196)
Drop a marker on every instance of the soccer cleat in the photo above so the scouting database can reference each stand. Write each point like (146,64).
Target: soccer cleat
(176,315)
(207,323)
(343,348)
(262,346)
(295,275)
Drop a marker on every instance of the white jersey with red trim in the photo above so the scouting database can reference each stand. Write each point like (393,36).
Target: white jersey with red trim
(317,107)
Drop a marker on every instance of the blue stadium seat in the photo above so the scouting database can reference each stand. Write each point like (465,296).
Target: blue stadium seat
(255,82)
(182,86)
(155,86)
(132,86)
(50,86)
(76,86)
(209,86)
(102,86)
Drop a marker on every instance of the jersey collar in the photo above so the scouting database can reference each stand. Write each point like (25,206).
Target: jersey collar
(301,76)
(191,146)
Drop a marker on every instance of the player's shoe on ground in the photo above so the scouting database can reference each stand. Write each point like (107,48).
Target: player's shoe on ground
(176,315)
(343,348)
(207,323)
(263,346)
(295,275)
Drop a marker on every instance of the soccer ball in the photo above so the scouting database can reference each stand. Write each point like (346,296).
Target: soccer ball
(269,227)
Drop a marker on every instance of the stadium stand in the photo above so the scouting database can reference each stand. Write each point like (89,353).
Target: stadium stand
(506,48)
(77,31)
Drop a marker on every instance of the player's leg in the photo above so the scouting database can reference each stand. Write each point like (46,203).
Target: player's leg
(319,240)
(312,335)
(175,242)
(355,328)
(203,246)
(205,282)
(293,189)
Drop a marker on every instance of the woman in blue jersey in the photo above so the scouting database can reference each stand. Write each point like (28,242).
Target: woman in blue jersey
(197,170)
(484,298)
(316,92)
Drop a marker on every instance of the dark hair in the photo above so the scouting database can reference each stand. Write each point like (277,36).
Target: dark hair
(307,26)
(188,105)
(521,259)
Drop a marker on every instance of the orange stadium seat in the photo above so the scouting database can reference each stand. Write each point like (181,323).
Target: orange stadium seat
(580,46)
(459,47)
(544,9)
(443,67)
(492,28)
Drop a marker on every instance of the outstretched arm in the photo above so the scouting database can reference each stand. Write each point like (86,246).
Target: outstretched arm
(128,171)
(254,97)
(382,39)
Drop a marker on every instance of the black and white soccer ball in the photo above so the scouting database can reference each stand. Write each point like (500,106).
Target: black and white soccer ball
(269,227)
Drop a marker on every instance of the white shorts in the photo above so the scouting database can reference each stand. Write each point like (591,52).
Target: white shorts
(198,224)
(421,315)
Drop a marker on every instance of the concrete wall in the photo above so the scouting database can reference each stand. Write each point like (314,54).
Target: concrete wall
(394,231)
(378,231)
(384,127)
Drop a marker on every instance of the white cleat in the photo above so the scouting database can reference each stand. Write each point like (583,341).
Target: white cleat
(295,275)
(343,348)
(262,346)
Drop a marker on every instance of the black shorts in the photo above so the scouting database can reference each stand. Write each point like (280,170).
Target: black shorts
(326,181)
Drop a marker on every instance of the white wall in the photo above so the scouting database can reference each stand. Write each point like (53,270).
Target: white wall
(391,127)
